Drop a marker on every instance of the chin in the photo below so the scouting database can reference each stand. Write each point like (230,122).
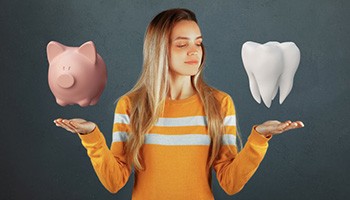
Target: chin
(190,73)
(186,71)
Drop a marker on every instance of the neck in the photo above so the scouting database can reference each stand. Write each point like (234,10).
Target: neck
(180,87)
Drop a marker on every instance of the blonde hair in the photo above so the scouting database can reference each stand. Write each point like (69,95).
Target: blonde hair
(150,91)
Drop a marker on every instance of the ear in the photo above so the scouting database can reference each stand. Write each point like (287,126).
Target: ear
(89,51)
(54,49)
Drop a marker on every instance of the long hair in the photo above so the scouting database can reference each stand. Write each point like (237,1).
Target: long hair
(150,91)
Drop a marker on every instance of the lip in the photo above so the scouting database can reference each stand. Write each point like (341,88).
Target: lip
(192,62)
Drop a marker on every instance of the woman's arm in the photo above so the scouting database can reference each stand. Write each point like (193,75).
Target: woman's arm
(233,169)
(109,164)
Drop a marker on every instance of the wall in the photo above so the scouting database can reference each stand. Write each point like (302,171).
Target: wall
(41,161)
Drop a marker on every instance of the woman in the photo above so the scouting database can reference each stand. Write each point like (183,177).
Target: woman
(172,126)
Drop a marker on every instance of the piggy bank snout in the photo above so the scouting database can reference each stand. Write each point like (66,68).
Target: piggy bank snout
(65,81)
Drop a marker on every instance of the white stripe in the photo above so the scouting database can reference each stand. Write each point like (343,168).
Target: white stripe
(121,118)
(187,139)
(229,139)
(119,136)
(183,121)
(230,120)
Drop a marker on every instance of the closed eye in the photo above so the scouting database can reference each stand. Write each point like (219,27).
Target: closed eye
(181,45)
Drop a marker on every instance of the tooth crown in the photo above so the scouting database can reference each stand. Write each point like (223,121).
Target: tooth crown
(270,66)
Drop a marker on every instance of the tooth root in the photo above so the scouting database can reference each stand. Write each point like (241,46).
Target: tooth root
(276,89)
(248,49)
(254,88)
(291,54)
(267,90)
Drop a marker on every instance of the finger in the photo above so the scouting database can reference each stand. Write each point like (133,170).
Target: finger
(69,125)
(77,127)
(57,120)
(60,124)
(63,124)
(295,125)
(300,124)
(282,126)
(66,123)
(288,122)
(291,126)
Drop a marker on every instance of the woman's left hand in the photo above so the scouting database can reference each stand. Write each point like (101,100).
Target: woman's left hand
(274,127)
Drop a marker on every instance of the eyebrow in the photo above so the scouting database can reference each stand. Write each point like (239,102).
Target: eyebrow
(187,38)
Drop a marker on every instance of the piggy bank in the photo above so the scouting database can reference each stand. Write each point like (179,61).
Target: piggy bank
(77,75)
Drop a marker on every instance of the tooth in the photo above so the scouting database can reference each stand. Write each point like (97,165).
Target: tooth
(270,66)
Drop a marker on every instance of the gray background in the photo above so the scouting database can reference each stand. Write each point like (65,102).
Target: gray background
(41,161)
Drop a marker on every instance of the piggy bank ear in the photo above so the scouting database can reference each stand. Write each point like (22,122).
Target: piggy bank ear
(54,49)
(88,50)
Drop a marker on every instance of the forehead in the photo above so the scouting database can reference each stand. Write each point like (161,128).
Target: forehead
(185,28)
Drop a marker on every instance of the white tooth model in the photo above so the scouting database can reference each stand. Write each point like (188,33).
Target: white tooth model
(269,66)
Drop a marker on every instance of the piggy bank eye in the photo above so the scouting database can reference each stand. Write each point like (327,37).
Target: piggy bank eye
(69,68)
(63,67)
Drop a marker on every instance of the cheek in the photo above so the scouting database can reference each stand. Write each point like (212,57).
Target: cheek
(177,56)
(200,52)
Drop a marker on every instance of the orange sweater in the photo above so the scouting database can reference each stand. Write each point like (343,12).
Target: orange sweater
(175,153)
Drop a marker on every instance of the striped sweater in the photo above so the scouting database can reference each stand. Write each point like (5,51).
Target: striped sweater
(175,153)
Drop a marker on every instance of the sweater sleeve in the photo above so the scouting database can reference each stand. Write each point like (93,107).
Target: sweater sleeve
(233,169)
(110,164)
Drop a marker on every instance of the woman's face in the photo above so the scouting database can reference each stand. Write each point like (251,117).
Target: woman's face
(185,52)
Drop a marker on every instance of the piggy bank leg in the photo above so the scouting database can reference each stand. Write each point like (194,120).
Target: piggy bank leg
(94,101)
(97,97)
(84,102)
(60,102)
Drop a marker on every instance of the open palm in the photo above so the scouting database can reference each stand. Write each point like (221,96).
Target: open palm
(76,125)
(273,127)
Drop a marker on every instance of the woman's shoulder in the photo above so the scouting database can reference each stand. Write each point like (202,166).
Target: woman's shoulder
(124,99)
(221,95)
(124,102)
(128,97)
(226,102)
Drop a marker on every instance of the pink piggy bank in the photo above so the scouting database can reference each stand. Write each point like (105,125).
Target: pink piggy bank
(77,75)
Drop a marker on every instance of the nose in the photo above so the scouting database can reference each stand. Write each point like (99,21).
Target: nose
(65,81)
(192,51)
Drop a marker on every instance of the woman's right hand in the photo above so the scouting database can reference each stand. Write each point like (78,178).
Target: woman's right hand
(77,125)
